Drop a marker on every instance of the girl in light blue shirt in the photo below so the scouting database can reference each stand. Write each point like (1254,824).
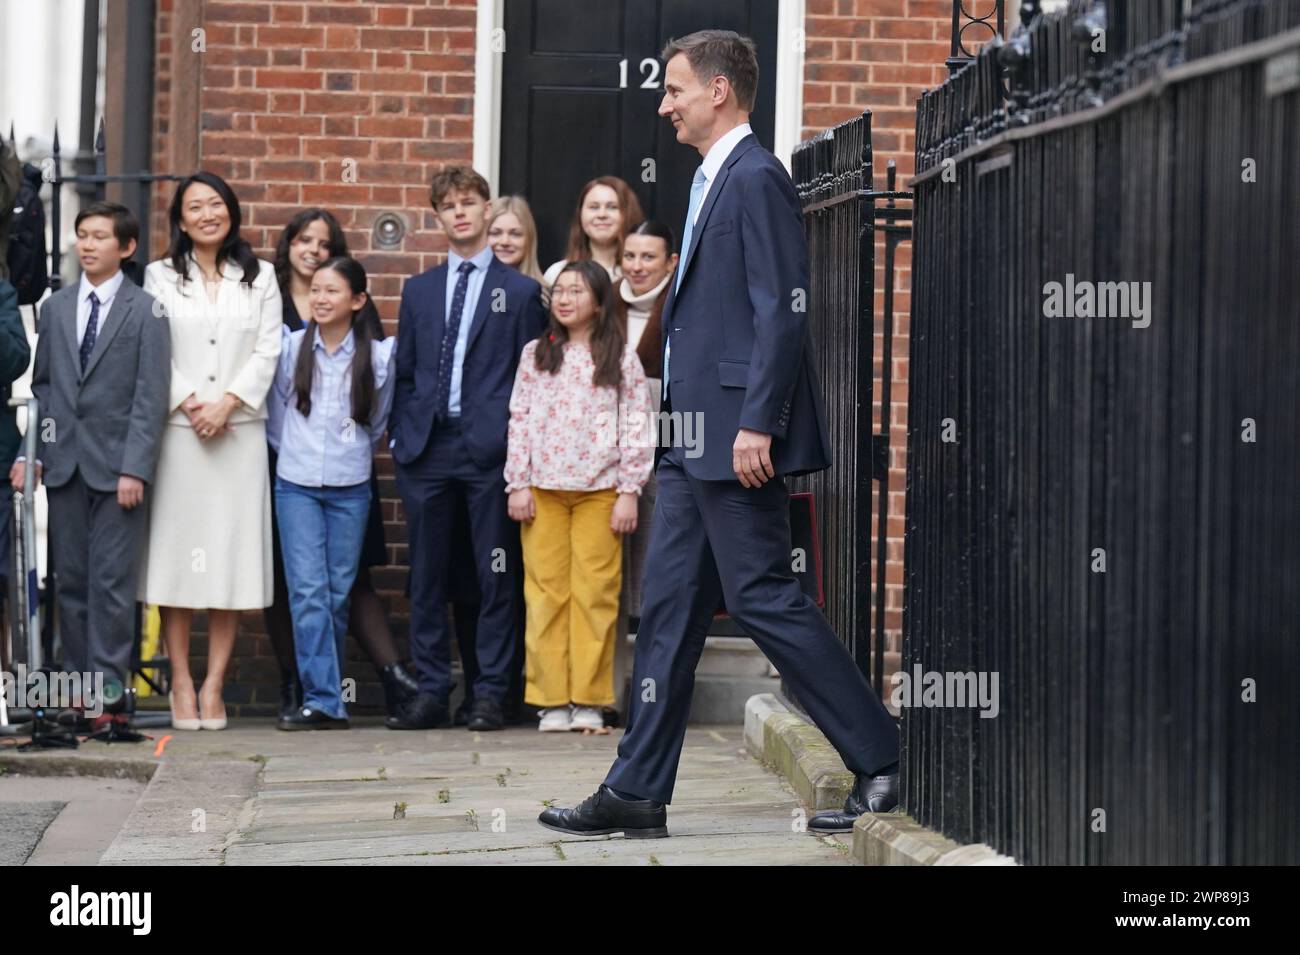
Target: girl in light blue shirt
(328,410)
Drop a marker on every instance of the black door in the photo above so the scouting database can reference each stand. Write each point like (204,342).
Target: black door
(581,83)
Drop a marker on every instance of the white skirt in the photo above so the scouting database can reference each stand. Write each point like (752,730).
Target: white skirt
(209,543)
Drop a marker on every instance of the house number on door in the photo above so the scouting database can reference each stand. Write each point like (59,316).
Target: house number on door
(649,68)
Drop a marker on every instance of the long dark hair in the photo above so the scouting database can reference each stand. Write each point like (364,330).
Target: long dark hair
(363,376)
(234,247)
(338,243)
(650,349)
(608,333)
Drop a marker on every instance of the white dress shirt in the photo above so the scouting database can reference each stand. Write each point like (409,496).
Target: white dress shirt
(713,161)
(473,288)
(106,292)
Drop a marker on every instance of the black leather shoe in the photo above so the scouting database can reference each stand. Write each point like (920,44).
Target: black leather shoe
(462,712)
(485,715)
(870,794)
(604,813)
(424,711)
(290,694)
(399,686)
(307,718)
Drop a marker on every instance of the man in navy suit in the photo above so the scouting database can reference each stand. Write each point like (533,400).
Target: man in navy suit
(738,359)
(460,330)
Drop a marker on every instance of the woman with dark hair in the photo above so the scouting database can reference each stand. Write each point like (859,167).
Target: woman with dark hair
(607,209)
(312,237)
(328,409)
(573,482)
(649,264)
(209,539)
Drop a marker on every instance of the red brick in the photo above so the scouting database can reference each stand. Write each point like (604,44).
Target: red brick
(237,12)
(905,29)
(338,13)
(376,39)
(288,12)
(288,79)
(293,170)
(291,36)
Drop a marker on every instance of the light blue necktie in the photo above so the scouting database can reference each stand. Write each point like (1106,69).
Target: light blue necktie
(697,193)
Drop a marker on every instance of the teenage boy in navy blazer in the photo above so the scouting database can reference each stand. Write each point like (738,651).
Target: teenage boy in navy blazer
(460,331)
(738,357)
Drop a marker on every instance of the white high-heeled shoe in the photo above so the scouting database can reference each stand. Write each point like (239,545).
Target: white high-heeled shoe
(217,723)
(182,724)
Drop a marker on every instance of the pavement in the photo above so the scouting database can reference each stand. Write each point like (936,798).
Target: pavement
(252,795)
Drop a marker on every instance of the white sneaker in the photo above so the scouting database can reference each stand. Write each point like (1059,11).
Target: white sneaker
(555,720)
(588,718)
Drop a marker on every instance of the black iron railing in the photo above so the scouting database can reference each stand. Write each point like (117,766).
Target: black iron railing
(1104,404)
(842,214)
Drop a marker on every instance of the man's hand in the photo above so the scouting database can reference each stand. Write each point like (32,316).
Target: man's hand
(751,458)
(130,492)
(18,475)
(520,506)
(623,518)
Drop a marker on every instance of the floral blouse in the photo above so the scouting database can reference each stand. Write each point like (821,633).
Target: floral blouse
(568,435)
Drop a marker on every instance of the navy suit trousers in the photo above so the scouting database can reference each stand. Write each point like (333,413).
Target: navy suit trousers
(718,538)
(431,487)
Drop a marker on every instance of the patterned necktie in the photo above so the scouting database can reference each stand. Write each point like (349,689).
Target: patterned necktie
(693,207)
(449,336)
(92,332)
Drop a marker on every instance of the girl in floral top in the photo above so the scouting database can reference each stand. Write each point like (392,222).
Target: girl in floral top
(579,455)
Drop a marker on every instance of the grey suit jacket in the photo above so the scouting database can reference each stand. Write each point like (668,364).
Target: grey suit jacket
(110,421)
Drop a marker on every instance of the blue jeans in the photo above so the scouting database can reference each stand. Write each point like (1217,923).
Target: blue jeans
(321,531)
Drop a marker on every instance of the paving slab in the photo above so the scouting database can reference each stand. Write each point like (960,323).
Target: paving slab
(251,795)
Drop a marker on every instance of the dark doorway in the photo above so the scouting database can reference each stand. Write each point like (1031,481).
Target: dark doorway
(581,82)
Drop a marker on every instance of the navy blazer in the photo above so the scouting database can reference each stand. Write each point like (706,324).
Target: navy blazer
(508,315)
(741,347)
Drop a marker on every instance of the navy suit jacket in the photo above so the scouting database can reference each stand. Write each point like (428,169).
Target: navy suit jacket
(508,315)
(741,347)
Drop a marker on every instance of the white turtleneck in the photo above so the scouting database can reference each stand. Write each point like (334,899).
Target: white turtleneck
(640,306)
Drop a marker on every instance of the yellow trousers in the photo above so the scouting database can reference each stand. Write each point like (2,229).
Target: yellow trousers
(573,569)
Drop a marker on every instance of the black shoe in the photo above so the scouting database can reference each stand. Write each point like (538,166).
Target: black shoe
(399,686)
(604,813)
(290,694)
(462,712)
(485,715)
(307,718)
(870,794)
(424,711)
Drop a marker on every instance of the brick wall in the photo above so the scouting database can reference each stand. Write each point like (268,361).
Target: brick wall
(286,92)
(880,55)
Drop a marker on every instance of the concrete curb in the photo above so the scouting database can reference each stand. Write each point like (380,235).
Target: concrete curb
(796,749)
(62,764)
(788,743)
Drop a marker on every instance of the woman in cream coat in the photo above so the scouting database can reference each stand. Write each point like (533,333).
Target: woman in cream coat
(209,545)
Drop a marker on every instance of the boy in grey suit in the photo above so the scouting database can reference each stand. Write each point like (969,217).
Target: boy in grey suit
(101,377)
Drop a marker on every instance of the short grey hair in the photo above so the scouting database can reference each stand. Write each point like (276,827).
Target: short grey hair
(721,53)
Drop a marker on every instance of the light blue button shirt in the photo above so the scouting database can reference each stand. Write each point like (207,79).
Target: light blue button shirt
(328,448)
(476,279)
